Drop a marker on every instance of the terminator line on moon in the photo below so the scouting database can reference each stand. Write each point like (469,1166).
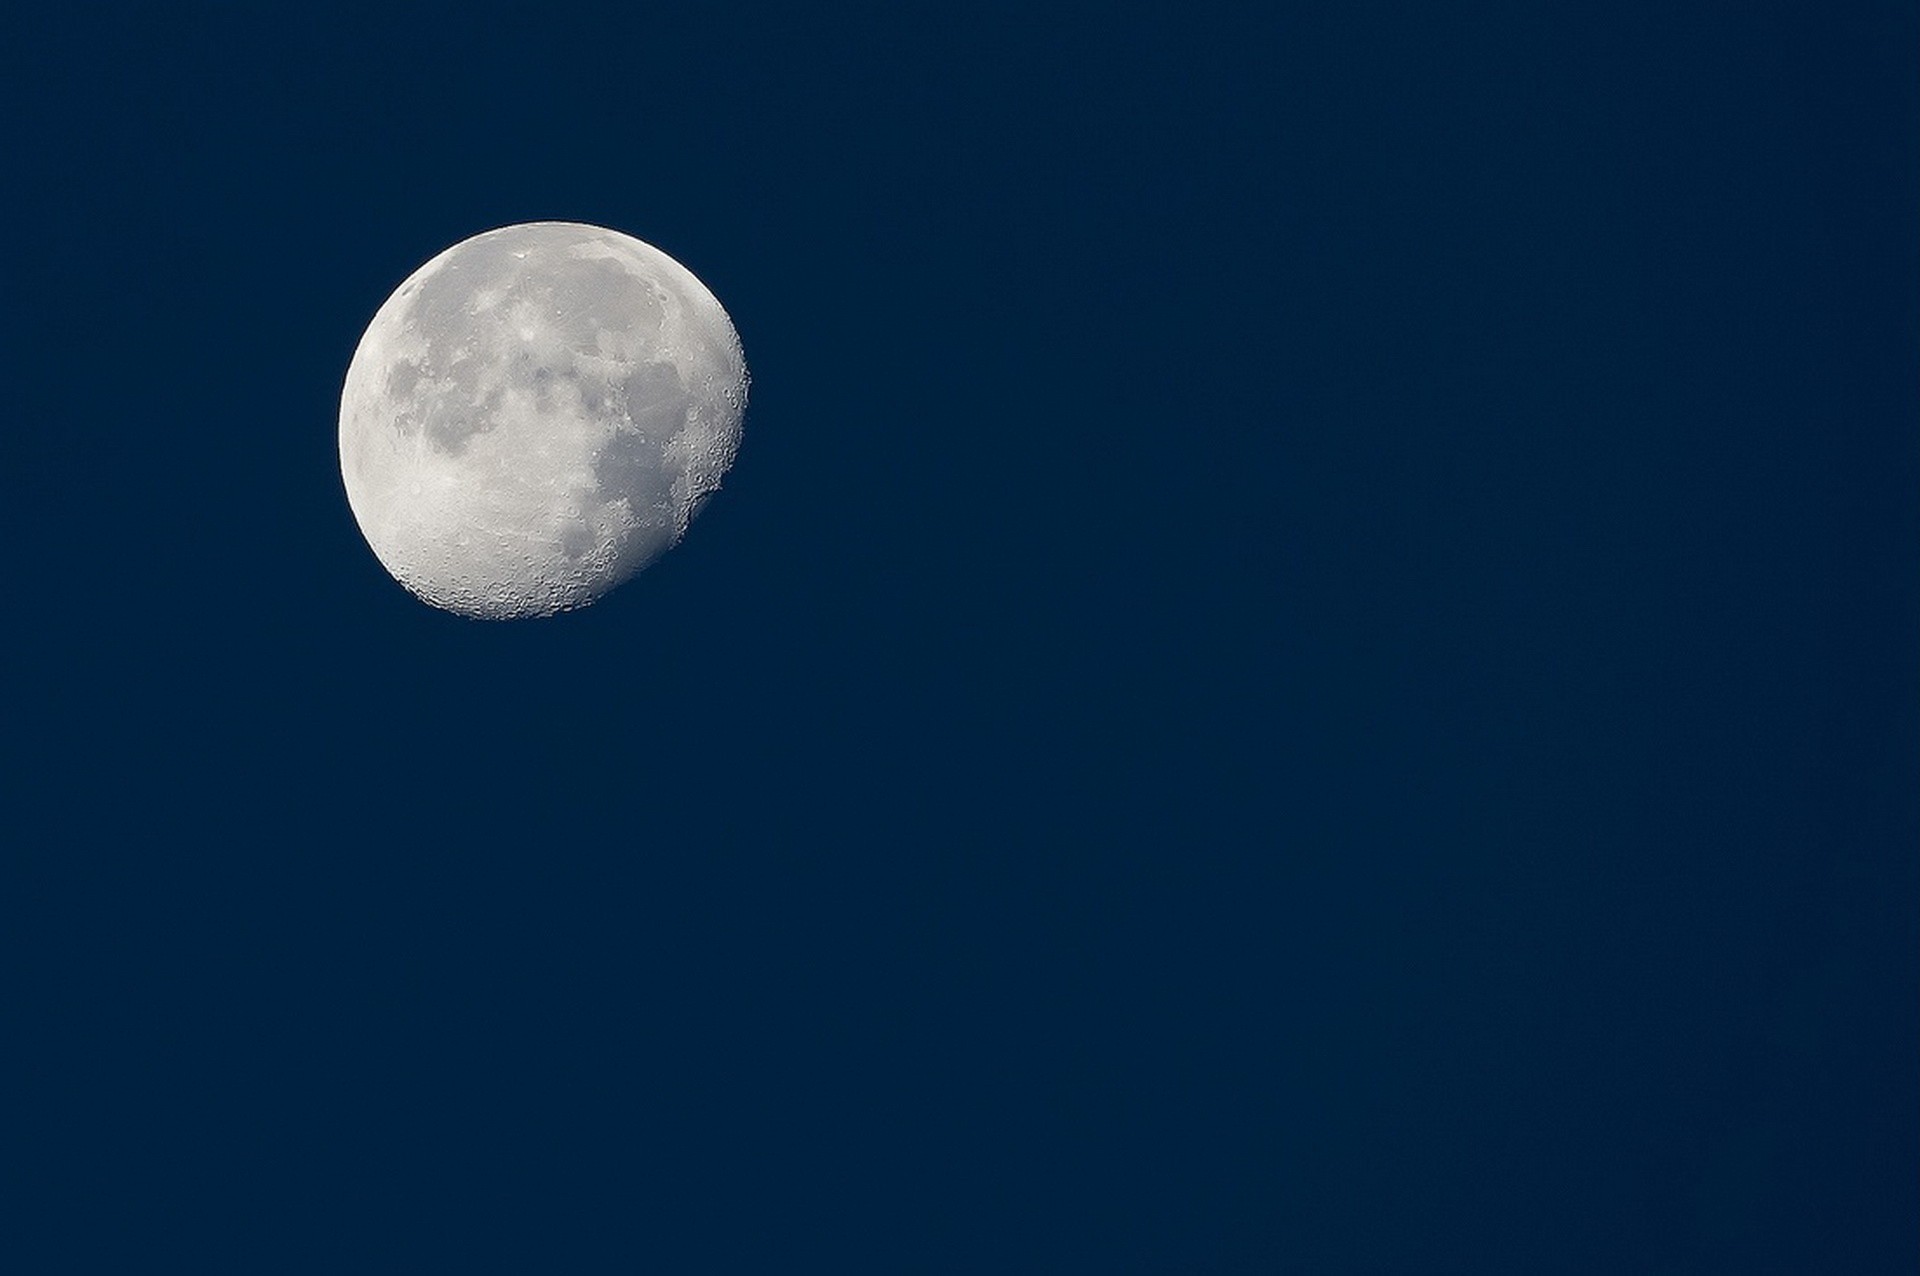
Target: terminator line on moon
(535,415)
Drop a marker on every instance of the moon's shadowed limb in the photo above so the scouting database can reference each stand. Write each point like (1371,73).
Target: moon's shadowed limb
(535,415)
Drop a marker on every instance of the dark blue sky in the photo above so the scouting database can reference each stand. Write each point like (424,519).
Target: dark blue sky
(1309,664)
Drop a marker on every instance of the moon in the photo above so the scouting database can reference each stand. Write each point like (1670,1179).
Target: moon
(535,415)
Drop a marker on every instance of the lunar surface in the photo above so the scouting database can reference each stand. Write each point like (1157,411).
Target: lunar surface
(535,415)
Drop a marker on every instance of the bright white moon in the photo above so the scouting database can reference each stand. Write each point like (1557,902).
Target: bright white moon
(535,415)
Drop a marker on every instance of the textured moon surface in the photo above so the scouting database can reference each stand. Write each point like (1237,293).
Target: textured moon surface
(535,415)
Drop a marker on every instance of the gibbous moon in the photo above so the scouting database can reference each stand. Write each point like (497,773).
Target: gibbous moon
(535,415)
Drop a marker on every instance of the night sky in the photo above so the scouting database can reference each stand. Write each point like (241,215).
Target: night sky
(1309,664)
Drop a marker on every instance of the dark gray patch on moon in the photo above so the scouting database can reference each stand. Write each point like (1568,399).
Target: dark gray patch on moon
(630,466)
(656,401)
(593,295)
(443,310)
(449,424)
(401,379)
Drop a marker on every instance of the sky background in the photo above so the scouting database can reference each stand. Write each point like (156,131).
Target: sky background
(1308,665)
